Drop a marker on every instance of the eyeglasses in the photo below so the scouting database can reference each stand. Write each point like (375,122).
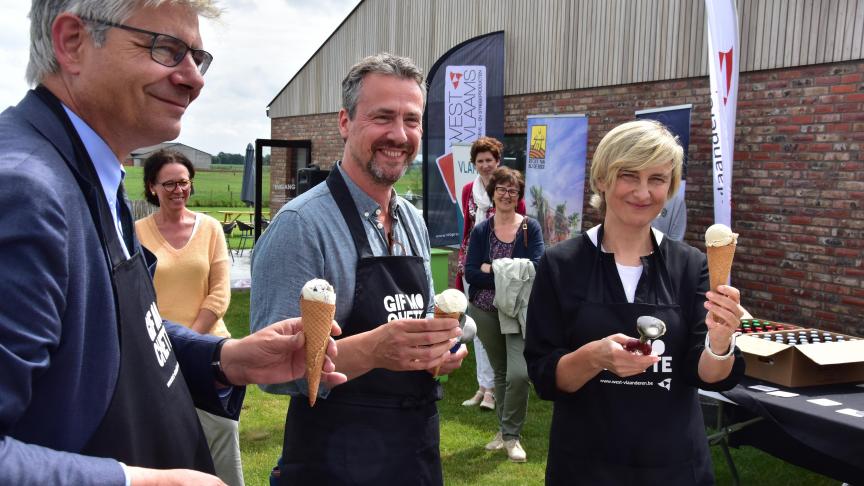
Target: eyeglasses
(183,184)
(165,49)
(501,190)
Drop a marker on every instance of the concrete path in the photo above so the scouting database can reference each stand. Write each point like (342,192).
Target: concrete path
(241,272)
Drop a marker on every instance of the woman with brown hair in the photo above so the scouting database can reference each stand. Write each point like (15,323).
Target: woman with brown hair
(507,238)
(477,207)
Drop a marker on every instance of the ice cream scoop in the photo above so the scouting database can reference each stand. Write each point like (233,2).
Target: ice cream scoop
(648,327)
(450,301)
(317,308)
(720,243)
(319,290)
(720,235)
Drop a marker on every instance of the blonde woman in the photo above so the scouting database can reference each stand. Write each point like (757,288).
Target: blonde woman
(620,417)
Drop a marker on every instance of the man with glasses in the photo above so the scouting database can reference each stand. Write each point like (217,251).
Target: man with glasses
(95,387)
(382,426)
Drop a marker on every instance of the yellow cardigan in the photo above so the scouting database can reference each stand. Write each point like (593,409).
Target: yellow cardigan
(195,277)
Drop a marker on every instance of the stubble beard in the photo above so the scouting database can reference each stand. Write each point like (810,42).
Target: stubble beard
(381,176)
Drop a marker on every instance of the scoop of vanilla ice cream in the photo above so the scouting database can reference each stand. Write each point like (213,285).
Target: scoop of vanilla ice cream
(451,300)
(720,235)
(319,290)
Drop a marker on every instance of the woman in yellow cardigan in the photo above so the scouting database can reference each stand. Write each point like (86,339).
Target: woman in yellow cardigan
(192,279)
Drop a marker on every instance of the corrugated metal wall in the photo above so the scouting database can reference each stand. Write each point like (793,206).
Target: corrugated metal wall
(557,45)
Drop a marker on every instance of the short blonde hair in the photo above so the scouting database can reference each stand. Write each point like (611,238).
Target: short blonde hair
(636,146)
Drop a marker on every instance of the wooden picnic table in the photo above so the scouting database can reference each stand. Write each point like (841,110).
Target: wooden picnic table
(228,216)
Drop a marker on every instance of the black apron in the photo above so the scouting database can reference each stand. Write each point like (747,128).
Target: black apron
(381,427)
(151,420)
(643,430)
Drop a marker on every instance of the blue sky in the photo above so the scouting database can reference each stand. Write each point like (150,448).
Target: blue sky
(257,47)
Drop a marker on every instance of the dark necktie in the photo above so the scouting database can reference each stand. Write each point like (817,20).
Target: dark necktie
(125,219)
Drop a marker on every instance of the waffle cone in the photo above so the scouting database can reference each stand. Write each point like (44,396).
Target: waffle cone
(441,314)
(720,264)
(317,322)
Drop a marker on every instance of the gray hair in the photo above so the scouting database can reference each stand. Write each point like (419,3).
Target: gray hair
(383,63)
(44,12)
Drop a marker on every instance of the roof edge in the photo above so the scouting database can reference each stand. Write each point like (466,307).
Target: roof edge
(314,54)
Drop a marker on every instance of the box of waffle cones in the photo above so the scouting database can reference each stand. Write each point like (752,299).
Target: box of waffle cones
(795,356)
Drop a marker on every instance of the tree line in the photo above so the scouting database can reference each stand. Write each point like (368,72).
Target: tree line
(234,159)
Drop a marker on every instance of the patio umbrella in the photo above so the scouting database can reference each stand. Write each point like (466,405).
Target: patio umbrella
(247,191)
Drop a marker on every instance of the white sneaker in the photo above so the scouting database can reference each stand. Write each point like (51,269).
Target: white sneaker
(497,443)
(475,400)
(488,401)
(515,451)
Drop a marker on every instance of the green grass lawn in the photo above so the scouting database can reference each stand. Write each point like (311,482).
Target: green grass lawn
(220,186)
(413,180)
(464,432)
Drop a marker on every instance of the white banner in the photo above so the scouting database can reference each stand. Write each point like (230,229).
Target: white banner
(464,104)
(723,56)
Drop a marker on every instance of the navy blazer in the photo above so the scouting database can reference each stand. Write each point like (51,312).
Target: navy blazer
(478,252)
(59,346)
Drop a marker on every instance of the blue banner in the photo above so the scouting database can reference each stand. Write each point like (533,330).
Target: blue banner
(672,220)
(677,120)
(465,102)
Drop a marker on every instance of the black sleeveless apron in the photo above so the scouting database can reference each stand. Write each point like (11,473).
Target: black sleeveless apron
(643,430)
(381,427)
(151,420)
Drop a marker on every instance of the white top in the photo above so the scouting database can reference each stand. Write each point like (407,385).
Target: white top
(630,278)
(629,275)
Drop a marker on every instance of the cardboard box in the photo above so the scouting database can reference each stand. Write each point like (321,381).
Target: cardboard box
(803,364)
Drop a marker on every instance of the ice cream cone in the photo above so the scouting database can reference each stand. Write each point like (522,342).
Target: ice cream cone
(317,322)
(439,314)
(720,264)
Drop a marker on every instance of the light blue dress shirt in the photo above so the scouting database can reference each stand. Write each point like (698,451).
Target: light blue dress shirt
(108,167)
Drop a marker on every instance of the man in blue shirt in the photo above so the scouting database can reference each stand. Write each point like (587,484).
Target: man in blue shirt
(382,426)
(95,388)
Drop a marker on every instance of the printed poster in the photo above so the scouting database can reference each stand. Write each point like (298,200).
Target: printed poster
(555,174)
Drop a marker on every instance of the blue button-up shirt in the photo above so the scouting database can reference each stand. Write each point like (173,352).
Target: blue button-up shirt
(108,167)
(309,239)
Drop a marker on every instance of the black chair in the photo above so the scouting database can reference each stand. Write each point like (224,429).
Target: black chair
(246,235)
(228,228)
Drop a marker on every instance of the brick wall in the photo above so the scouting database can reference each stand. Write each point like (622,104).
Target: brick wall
(798,178)
(322,130)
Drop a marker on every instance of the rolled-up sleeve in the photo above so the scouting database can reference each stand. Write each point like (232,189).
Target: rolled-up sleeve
(285,258)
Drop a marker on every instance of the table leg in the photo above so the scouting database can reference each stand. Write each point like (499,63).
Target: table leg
(721,438)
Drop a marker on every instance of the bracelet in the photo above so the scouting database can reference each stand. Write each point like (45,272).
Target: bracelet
(718,356)
(216,364)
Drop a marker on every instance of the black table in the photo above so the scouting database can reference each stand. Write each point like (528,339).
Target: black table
(812,436)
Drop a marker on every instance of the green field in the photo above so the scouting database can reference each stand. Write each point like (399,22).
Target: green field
(219,186)
(413,180)
(464,431)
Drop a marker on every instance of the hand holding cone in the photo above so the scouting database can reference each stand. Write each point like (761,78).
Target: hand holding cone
(317,308)
(452,304)
(720,243)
